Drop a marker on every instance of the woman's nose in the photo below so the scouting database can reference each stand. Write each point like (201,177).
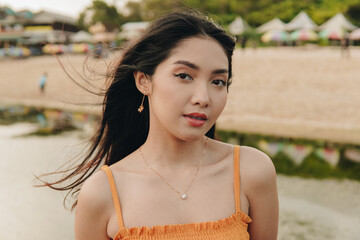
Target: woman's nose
(201,95)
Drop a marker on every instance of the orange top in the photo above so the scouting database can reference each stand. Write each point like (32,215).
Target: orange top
(233,227)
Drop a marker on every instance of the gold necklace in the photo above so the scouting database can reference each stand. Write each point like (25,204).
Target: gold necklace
(183,195)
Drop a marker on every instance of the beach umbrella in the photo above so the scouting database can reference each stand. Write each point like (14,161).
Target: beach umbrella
(303,35)
(355,35)
(333,34)
(275,36)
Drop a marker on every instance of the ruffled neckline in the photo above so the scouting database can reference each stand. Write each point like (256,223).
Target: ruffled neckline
(183,228)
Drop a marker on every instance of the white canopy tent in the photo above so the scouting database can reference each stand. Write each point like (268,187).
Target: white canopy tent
(355,35)
(274,24)
(338,22)
(301,21)
(238,26)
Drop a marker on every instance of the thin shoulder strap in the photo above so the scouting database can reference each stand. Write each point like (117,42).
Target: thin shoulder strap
(237,177)
(115,196)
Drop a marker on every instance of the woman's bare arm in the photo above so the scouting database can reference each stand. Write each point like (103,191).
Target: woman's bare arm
(91,211)
(261,191)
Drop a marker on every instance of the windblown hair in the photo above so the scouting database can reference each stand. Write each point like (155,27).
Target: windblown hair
(122,129)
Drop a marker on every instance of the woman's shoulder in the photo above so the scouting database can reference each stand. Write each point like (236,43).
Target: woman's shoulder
(94,207)
(95,193)
(256,168)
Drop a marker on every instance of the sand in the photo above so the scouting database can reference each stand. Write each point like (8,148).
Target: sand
(306,92)
(297,92)
(309,209)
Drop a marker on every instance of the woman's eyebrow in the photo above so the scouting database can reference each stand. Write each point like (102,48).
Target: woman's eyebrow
(219,71)
(194,66)
(189,64)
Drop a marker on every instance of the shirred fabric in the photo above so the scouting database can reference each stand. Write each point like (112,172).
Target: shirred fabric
(233,227)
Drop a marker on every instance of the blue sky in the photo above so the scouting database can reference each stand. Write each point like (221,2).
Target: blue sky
(68,7)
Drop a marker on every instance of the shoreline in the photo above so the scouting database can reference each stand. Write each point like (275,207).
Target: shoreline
(310,209)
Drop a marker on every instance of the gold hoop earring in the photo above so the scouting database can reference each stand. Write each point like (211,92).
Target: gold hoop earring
(141,107)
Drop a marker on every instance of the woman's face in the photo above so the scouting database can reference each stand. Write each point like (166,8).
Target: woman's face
(188,90)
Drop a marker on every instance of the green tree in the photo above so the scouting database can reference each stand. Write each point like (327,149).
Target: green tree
(257,12)
(353,12)
(100,11)
(135,10)
(155,8)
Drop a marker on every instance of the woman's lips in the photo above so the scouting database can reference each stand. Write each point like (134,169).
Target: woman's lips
(196,119)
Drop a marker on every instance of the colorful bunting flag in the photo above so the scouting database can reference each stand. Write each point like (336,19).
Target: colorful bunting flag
(297,153)
(271,148)
(330,155)
(353,155)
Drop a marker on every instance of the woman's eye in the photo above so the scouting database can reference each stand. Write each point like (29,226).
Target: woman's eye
(183,76)
(219,83)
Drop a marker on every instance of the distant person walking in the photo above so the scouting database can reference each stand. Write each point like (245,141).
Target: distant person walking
(345,47)
(42,82)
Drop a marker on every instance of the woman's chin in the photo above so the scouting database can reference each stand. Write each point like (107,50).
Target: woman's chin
(191,137)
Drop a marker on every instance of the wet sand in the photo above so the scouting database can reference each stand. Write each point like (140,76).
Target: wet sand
(309,209)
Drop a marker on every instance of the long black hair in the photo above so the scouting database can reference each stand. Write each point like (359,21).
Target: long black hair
(123,129)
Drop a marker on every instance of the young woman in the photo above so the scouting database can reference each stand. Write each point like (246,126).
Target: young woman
(164,176)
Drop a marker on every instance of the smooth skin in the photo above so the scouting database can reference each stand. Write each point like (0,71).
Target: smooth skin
(192,79)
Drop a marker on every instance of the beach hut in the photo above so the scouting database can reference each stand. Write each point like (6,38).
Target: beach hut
(274,24)
(238,26)
(301,21)
(336,28)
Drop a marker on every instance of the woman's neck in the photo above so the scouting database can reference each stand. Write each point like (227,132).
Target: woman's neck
(172,152)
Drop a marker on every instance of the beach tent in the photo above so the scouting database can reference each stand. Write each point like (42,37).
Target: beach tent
(355,35)
(238,26)
(301,21)
(275,36)
(304,34)
(333,34)
(336,27)
(274,24)
(338,22)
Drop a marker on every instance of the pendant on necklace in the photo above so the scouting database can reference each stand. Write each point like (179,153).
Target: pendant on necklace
(184,196)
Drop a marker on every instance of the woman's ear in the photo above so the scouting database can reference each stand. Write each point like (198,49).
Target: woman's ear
(142,82)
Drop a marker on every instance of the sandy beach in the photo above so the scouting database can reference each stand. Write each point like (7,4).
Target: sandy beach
(309,209)
(306,92)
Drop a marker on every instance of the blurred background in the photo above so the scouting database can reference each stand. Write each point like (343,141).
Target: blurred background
(295,95)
